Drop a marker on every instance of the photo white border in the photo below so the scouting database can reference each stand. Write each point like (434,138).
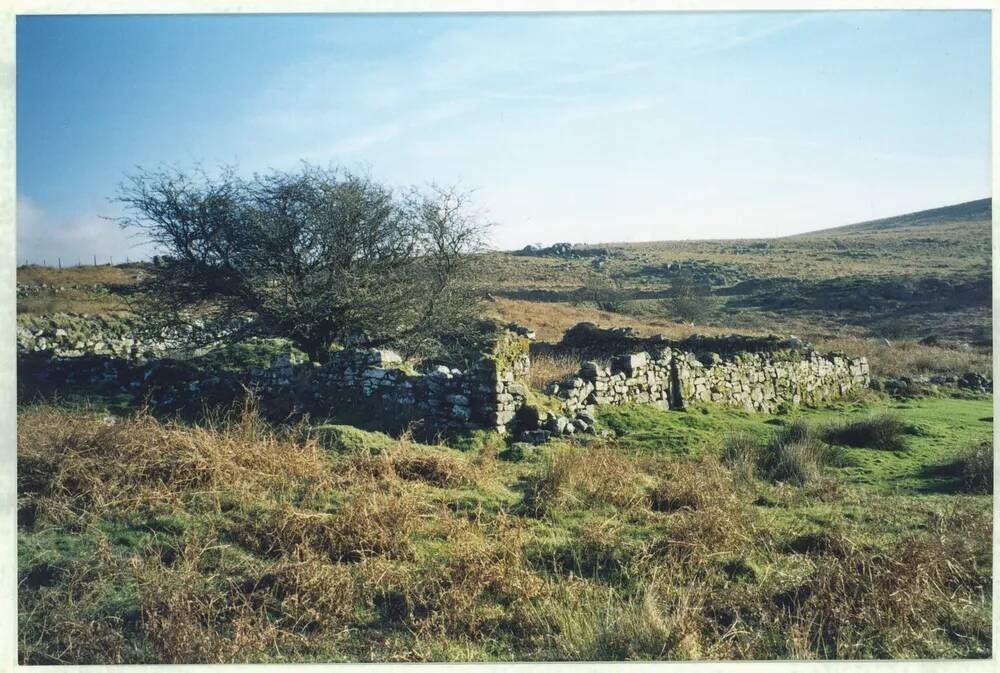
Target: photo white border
(8,200)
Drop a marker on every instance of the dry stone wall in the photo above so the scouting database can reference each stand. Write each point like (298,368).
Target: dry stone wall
(755,381)
(438,399)
(756,374)
(761,375)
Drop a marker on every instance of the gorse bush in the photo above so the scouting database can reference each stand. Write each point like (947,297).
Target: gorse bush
(880,431)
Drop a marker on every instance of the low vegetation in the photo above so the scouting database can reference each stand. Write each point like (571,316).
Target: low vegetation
(974,468)
(144,540)
(878,431)
(794,454)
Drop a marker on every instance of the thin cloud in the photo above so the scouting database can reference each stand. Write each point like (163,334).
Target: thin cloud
(45,236)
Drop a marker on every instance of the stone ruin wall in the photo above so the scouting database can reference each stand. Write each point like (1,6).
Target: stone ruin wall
(747,373)
(486,395)
(755,381)
(491,393)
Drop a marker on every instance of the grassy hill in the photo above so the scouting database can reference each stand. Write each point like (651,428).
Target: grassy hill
(917,276)
(978,212)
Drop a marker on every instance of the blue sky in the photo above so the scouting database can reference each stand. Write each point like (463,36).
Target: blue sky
(579,127)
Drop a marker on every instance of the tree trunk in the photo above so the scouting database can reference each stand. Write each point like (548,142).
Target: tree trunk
(318,353)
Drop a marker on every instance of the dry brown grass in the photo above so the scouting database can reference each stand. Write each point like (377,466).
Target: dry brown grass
(908,358)
(77,275)
(897,596)
(596,474)
(72,466)
(63,614)
(551,319)
(550,366)
(407,461)
(693,484)
(372,522)
(189,617)
(66,302)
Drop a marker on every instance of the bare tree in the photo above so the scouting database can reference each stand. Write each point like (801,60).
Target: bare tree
(318,256)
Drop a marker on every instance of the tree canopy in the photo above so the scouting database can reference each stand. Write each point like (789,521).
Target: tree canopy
(320,256)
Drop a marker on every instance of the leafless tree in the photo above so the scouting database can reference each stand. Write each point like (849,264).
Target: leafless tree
(320,256)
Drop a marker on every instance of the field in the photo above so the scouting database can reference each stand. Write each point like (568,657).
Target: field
(861,529)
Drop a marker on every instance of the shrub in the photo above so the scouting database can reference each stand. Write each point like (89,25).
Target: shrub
(690,300)
(879,431)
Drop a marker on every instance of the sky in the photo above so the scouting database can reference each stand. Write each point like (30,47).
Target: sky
(566,127)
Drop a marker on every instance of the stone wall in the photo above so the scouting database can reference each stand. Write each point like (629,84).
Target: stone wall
(756,374)
(438,399)
(756,380)
(75,335)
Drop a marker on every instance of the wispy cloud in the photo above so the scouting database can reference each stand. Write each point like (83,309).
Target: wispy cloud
(45,236)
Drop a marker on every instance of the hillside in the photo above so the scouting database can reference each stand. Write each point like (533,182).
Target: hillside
(979,212)
(924,275)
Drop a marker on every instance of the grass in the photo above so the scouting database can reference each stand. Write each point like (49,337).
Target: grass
(549,366)
(103,274)
(146,541)
(794,454)
(885,431)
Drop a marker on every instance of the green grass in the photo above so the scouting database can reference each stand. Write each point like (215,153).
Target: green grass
(944,427)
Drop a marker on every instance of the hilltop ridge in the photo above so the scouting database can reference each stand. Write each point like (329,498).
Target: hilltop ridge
(980,210)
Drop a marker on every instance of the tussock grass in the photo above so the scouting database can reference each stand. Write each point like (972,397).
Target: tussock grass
(405,460)
(71,466)
(596,474)
(795,455)
(605,624)
(974,467)
(879,431)
(369,523)
(695,484)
